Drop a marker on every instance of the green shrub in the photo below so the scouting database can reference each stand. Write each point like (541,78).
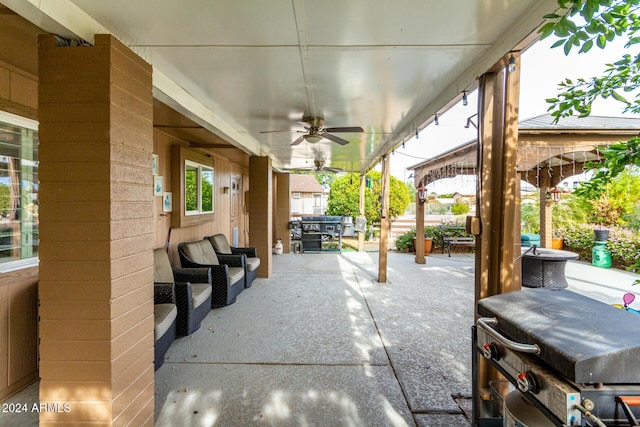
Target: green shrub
(623,244)
(459,208)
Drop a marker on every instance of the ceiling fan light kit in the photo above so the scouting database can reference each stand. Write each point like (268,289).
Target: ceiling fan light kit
(312,139)
(315,131)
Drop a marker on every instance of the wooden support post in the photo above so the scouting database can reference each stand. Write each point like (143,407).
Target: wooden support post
(497,199)
(361,234)
(420,258)
(261,211)
(385,222)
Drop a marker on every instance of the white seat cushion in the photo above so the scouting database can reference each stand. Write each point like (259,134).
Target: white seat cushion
(253,264)
(199,293)
(163,317)
(235,274)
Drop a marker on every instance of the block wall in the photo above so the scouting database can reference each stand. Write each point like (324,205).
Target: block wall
(96,231)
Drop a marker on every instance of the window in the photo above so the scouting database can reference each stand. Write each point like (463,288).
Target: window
(296,195)
(198,192)
(192,176)
(18,192)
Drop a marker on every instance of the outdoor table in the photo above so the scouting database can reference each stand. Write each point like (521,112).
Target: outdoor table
(544,268)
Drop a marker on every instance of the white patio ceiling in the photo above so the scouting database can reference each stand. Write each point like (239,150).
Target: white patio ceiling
(240,67)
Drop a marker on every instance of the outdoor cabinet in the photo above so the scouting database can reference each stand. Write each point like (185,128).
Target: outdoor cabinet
(18,332)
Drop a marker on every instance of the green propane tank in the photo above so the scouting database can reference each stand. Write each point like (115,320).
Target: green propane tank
(600,256)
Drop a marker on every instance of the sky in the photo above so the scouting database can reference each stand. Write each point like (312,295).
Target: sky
(542,69)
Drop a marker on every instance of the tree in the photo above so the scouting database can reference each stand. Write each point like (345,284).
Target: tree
(344,197)
(585,24)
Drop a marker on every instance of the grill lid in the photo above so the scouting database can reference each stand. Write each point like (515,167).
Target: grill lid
(585,340)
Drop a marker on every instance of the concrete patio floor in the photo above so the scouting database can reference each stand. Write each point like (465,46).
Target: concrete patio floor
(323,343)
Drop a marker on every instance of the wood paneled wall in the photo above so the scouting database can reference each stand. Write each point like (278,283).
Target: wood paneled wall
(18,289)
(224,169)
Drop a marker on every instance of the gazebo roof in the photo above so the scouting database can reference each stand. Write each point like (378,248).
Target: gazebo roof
(569,143)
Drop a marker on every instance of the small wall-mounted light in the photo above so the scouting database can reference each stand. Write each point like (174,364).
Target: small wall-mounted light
(435,120)
(225,190)
(465,101)
(417,135)
(512,64)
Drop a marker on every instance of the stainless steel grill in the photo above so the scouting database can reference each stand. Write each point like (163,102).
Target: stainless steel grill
(576,359)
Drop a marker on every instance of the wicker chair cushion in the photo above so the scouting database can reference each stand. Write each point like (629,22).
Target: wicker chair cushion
(235,274)
(163,317)
(199,293)
(253,264)
(201,252)
(220,244)
(162,272)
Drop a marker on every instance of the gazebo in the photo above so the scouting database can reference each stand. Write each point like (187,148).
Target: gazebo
(547,154)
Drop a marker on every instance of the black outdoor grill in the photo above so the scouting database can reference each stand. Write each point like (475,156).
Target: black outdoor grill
(321,233)
(576,360)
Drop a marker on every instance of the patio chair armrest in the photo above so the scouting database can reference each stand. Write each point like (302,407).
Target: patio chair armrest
(184,295)
(220,275)
(249,252)
(164,293)
(192,274)
(238,260)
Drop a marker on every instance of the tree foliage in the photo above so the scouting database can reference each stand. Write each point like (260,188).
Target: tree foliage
(344,197)
(584,24)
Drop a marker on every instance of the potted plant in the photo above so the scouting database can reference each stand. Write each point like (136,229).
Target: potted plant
(428,243)
(557,239)
(404,242)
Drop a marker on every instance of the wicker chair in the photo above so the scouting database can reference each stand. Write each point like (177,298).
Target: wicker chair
(227,280)
(165,315)
(223,249)
(193,299)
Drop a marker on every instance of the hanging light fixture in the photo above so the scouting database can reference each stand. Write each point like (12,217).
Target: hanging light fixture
(512,64)
(435,120)
(554,194)
(465,101)
(417,136)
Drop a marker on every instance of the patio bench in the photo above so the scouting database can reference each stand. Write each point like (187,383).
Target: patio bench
(450,236)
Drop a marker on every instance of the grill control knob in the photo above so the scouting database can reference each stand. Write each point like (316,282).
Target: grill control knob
(527,382)
(491,351)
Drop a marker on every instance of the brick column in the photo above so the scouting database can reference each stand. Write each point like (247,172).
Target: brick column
(261,211)
(96,229)
(283,210)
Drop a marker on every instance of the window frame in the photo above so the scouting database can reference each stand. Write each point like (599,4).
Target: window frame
(33,125)
(200,201)
(180,217)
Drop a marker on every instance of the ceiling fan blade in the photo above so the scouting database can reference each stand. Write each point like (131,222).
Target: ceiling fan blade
(298,141)
(334,170)
(335,138)
(345,129)
(276,131)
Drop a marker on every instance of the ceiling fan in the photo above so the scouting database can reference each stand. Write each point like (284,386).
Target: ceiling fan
(319,167)
(315,131)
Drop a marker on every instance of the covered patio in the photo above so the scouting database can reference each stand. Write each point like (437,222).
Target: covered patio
(134,101)
(324,344)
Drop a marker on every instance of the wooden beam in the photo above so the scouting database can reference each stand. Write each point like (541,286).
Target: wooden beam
(497,186)
(385,223)
(361,234)
(420,258)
